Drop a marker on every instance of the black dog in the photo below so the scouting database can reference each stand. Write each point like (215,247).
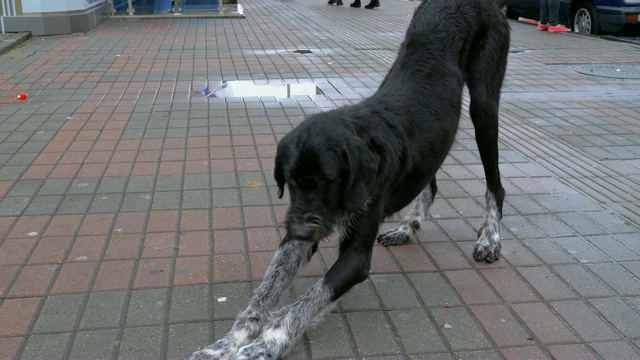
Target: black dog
(352,167)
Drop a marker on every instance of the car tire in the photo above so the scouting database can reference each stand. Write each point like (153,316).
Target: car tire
(585,19)
(509,13)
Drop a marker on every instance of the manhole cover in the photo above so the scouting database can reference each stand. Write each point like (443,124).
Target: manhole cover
(611,71)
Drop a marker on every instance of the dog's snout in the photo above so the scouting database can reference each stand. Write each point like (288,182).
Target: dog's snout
(301,232)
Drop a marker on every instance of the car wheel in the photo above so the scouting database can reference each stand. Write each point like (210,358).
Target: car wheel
(585,19)
(509,13)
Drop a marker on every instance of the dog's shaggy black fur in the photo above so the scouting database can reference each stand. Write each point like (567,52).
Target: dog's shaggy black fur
(352,167)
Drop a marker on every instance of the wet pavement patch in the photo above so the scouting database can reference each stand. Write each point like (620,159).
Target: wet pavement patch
(610,71)
(247,88)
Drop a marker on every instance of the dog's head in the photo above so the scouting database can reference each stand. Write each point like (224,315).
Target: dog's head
(328,171)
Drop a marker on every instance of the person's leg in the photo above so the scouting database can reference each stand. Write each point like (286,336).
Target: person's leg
(544,15)
(544,12)
(554,26)
(554,7)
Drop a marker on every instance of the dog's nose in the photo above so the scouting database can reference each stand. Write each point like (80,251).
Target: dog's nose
(301,232)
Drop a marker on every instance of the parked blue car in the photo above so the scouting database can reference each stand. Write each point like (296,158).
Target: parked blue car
(585,16)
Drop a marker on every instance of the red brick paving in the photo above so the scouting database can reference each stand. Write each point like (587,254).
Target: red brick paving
(16,315)
(527,308)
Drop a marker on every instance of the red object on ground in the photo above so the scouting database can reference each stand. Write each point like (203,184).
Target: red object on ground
(22,96)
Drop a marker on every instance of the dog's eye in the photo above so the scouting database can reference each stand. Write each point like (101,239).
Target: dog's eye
(308,182)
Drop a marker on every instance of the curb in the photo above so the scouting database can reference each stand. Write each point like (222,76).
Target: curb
(12,40)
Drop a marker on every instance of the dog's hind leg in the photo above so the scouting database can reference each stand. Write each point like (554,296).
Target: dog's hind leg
(484,79)
(411,223)
(290,256)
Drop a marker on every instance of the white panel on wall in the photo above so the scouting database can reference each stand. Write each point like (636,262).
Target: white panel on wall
(43,6)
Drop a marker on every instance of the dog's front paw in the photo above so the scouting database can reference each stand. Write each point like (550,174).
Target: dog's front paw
(398,236)
(219,350)
(488,246)
(257,350)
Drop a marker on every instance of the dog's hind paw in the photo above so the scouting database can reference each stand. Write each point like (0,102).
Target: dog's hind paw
(396,236)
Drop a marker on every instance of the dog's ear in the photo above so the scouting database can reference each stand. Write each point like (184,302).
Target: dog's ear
(362,168)
(278,172)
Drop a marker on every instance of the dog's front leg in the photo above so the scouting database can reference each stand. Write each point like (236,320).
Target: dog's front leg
(286,262)
(351,268)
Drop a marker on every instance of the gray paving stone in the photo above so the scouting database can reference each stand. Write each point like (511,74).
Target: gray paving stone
(395,292)
(59,313)
(166,200)
(187,338)
(140,184)
(24,159)
(142,343)
(189,303)
(478,355)
(526,205)
(46,347)
(585,283)
(613,248)
(434,290)
(580,249)
(584,321)
(618,313)
(616,277)
(236,296)
(372,333)
(224,198)
(581,224)
(75,204)
(139,201)
(580,202)
(331,338)
(12,206)
(521,227)
(54,187)
(551,225)
(460,329)
(254,196)
(103,310)
(416,331)
(360,297)
(12,172)
(196,199)
(147,307)
(169,183)
(94,344)
(112,185)
(245,177)
(549,252)
(106,203)
(546,283)
(224,180)
(25,188)
(44,205)
(196,181)
(83,186)
(615,350)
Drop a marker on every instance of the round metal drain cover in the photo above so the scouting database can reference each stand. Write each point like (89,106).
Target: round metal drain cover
(611,71)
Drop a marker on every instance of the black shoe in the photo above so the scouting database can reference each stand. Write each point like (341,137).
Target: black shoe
(373,4)
(339,2)
(355,4)
(331,2)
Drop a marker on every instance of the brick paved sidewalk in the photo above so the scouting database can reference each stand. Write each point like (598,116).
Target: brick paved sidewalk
(135,214)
